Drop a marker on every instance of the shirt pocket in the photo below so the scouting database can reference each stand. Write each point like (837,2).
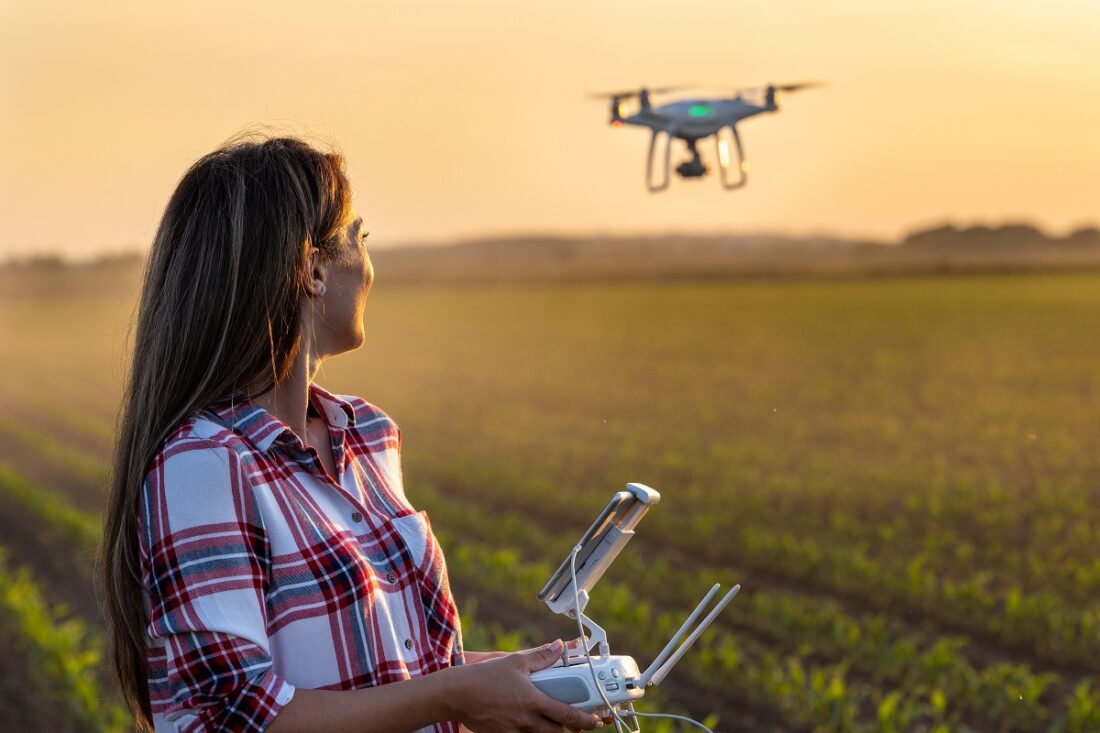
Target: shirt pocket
(430,573)
(415,532)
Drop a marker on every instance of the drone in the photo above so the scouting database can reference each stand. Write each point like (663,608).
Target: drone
(588,676)
(692,120)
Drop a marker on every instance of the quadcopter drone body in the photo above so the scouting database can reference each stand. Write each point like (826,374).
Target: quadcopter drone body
(692,120)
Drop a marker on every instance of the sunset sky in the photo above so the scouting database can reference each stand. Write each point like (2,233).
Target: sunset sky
(460,119)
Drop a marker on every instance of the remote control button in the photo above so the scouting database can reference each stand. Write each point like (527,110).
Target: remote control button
(615,672)
(611,686)
(602,675)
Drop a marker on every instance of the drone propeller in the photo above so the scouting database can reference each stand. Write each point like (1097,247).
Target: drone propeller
(666,90)
(796,87)
(631,93)
(778,87)
(613,95)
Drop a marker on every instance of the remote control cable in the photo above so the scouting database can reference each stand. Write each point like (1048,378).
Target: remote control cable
(620,724)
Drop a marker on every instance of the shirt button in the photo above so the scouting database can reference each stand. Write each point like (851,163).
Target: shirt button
(357,517)
(408,643)
(391,577)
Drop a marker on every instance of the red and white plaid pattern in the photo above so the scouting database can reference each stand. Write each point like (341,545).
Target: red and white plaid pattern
(264,575)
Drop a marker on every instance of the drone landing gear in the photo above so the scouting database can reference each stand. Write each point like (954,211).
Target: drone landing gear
(655,187)
(724,159)
(694,166)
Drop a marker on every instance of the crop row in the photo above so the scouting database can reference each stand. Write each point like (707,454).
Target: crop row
(734,669)
(958,554)
(66,657)
(1029,687)
(1040,541)
(1040,625)
(1041,619)
(83,410)
(875,647)
(49,509)
(958,680)
(825,697)
(90,470)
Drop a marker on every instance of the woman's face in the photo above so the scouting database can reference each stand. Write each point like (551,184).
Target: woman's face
(350,275)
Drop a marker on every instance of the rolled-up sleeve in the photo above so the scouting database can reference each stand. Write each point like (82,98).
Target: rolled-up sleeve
(206,565)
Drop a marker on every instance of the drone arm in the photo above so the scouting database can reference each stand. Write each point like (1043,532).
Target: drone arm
(654,188)
(724,160)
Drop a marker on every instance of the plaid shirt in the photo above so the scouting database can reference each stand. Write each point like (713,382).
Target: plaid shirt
(263,574)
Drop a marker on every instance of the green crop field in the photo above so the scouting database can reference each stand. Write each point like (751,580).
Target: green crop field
(902,473)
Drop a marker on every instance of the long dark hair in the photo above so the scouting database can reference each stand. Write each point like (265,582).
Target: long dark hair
(218,313)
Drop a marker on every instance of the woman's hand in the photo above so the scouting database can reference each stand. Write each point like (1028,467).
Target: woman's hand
(496,696)
(479,657)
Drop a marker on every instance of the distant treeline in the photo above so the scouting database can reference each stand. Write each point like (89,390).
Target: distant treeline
(945,248)
(1008,235)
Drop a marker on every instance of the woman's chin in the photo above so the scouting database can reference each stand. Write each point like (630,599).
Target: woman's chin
(357,339)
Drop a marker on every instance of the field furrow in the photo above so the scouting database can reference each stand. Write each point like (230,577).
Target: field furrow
(902,474)
(1042,629)
(879,649)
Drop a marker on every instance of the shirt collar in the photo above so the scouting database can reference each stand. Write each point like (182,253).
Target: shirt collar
(337,411)
(262,429)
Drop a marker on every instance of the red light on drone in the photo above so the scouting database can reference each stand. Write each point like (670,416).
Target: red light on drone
(616,123)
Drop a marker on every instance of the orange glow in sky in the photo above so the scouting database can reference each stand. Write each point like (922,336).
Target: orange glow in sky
(467,118)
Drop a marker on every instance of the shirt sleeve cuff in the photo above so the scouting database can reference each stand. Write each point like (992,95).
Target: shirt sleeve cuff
(284,692)
(253,710)
(279,693)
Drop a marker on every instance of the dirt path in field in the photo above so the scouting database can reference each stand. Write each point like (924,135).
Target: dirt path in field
(735,714)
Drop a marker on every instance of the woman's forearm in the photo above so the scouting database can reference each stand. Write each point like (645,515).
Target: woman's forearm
(495,696)
(398,707)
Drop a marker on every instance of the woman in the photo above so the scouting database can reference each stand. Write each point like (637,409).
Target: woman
(262,566)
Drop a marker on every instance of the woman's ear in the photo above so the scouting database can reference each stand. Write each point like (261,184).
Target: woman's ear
(317,272)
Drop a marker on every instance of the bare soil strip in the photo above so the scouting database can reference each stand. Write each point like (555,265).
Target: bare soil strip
(63,571)
(24,706)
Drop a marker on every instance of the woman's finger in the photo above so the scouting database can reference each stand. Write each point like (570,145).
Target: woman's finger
(565,715)
(544,725)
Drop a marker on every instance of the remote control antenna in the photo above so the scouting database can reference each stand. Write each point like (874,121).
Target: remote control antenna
(667,666)
(644,679)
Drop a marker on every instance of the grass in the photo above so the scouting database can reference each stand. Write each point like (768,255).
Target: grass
(901,472)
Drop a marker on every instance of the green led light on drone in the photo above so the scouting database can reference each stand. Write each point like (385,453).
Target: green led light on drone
(700,110)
